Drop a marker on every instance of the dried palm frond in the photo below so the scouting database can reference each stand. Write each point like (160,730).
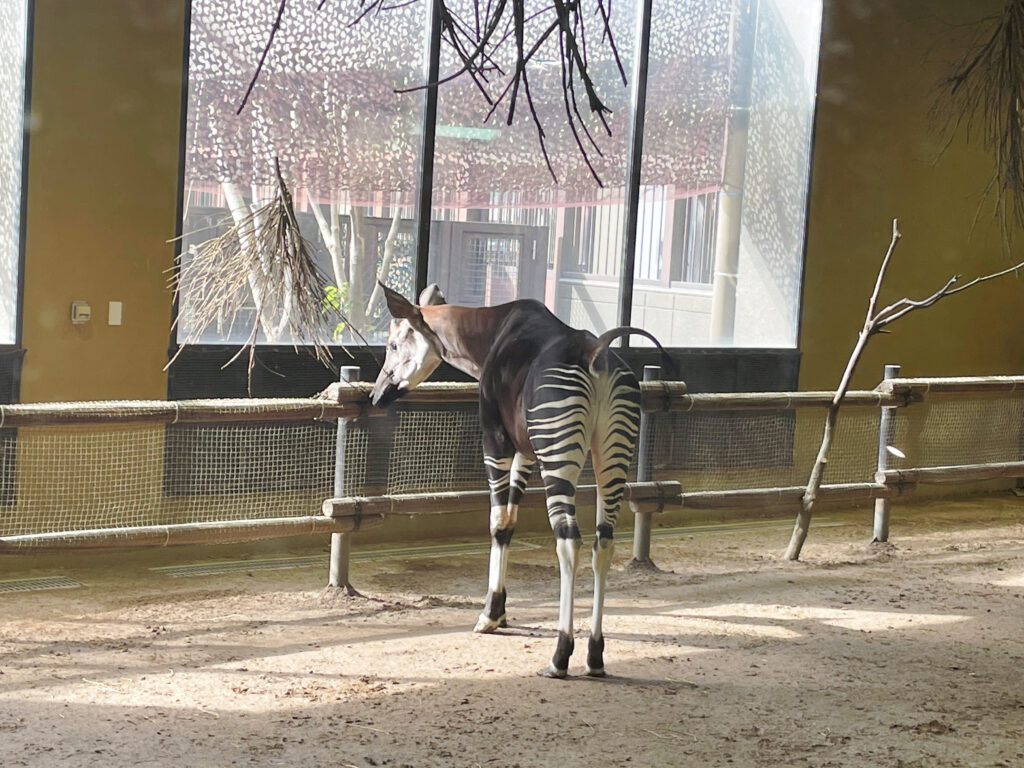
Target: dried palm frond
(259,264)
(985,92)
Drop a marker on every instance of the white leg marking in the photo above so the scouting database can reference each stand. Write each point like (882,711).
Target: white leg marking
(499,562)
(602,560)
(568,558)
(485,623)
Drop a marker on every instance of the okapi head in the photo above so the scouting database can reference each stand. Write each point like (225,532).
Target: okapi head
(413,350)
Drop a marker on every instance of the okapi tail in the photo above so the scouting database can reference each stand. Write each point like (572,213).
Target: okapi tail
(606,338)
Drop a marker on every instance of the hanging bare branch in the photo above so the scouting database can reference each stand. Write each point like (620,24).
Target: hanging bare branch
(985,94)
(505,31)
(263,57)
(478,50)
(874,322)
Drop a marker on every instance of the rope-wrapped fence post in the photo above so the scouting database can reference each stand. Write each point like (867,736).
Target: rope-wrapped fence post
(886,431)
(644,455)
(341,543)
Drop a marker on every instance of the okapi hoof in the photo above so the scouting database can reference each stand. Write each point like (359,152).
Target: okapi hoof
(485,625)
(551,672)
(492,617)
(595,658)
(559,666)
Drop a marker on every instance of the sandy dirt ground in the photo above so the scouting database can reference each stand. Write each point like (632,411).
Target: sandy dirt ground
(906,655)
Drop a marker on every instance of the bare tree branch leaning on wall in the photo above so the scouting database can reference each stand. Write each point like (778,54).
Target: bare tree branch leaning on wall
(875,321)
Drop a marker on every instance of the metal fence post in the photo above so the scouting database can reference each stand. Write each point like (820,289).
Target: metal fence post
(886,431)
(642,520)
(341,543)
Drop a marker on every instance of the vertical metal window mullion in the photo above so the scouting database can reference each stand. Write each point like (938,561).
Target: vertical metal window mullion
(636,150)
(26,105)
(179,211)
(426,180)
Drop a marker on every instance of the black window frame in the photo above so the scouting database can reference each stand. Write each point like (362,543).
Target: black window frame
(12,355)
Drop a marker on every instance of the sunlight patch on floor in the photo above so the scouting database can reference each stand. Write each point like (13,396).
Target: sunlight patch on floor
(688,624)
(1016,580)
(845,618)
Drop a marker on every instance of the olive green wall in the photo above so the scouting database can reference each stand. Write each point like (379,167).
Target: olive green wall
(102,191)
(103,185)
(876,158)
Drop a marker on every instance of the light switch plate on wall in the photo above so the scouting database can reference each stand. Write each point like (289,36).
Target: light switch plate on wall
(81,312)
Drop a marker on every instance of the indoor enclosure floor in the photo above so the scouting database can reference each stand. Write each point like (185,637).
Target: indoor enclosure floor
(907,654)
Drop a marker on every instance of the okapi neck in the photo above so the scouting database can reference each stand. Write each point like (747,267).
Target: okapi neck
(467,333)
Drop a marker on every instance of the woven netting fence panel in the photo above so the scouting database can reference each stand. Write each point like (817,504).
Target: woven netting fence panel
(731,450)
(416,449)
(79,477)
(960,428)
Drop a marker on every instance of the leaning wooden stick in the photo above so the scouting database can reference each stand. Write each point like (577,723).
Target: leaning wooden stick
(874,322)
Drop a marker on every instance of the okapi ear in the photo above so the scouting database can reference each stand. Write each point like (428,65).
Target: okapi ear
(399,306)
(432,295)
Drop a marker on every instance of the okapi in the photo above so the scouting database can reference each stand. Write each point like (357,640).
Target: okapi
(548,395)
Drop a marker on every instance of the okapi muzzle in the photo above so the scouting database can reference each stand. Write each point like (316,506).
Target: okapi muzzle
(413,352)
(384,393)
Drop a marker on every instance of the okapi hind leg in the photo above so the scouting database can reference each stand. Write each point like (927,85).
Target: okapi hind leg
(568,549)
(507,478)
(559,426)
(561,502)
(612,452)
(604,548)
(611,486)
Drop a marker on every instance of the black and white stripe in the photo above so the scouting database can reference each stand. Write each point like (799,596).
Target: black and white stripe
(614,441)
(560,421)
(575,412)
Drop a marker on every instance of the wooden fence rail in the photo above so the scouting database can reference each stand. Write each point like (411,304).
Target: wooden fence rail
(347,400)
(351,400)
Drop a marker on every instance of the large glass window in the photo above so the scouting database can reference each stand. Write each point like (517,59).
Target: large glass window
(503,227)
(720,239)
(723,181)
(348,146)
(13,26)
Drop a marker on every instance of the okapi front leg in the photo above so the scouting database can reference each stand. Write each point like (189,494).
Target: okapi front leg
(507,478)
(499,470)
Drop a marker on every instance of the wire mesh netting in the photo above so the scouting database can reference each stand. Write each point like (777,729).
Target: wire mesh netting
(959,429)
(74,477)
(731,450)
(70,478)
(436,451)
